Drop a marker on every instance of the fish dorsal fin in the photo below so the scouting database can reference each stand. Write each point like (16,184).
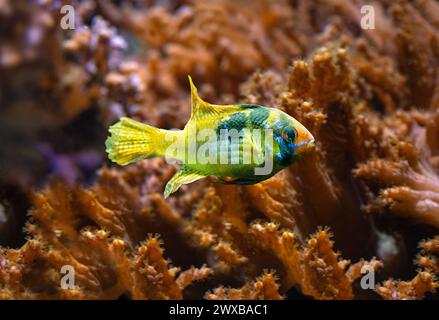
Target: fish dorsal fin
(182,176)
(202,109)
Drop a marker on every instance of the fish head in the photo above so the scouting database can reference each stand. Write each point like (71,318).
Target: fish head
(295,137)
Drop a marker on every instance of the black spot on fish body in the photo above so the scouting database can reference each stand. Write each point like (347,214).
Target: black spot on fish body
(284,156)
(237,121)
(258,117)
(249,106)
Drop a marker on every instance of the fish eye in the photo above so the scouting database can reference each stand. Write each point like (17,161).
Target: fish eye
(289,134)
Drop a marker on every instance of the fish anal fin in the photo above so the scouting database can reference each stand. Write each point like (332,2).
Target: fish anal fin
(181,177)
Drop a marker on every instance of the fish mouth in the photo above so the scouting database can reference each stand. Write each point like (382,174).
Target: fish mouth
(310,145)
(307,146)
(302,147)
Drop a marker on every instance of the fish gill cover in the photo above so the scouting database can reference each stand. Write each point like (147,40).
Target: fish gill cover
(367,197)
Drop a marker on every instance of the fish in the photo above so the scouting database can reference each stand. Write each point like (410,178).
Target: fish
(241,144)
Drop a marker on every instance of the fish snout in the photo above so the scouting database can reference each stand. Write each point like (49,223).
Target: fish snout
(310,145)
(304,146)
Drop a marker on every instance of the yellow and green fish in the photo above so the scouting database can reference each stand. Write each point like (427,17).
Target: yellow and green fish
(239,144)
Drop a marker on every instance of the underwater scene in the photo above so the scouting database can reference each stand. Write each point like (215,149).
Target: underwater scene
(219,149)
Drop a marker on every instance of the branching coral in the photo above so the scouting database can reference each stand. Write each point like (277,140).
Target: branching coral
(408,290)
(316,268)
(106,266)
(264,288)
(370,97)
(425,281)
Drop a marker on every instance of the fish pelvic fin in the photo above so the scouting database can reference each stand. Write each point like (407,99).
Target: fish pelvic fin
(131,140)
(181,177)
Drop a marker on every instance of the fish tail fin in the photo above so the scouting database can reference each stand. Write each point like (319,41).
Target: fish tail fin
(131,140)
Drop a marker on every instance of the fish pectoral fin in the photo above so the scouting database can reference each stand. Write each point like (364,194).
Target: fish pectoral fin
(182,176)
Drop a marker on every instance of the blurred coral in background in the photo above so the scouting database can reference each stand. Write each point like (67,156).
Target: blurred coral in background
(368,196)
